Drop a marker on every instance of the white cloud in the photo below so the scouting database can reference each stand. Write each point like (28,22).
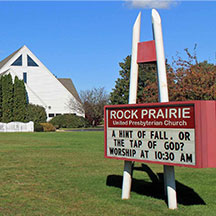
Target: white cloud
(159,4)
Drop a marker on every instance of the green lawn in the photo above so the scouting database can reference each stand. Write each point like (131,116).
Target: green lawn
(66,174)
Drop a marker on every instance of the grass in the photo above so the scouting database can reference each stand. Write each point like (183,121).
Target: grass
(66,174)
(83,128)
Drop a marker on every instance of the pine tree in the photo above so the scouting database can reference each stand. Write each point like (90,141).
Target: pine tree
(19,101)
(120,94)
(7,98)
(0,98)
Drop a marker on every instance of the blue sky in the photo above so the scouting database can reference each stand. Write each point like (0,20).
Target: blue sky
(86,40)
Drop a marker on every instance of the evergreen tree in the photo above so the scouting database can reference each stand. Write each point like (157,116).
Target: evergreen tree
(120,94)
(7,98)
(19,101)
(14,104)
(188,79)
(0,98)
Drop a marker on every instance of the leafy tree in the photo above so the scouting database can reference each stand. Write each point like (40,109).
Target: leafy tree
(150,91)
(120,93)
(94,101)
(7,98)
(20,101)
(194,80)
(188,79)
(147,74)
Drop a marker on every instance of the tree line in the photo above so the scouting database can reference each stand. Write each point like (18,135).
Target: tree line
(188,79)
(14,104)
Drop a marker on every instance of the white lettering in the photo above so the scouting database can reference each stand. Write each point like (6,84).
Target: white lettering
(127,114)
(127,111)
(144,113)
(165,113)
(113,114)
(176,113)
(120,114)
(160,113)
(172,112)
(186,112)
(152,113)
(133,114)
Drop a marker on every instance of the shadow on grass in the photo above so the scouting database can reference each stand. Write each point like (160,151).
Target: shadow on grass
(185,194)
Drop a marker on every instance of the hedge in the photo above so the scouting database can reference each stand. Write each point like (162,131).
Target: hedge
(69,121)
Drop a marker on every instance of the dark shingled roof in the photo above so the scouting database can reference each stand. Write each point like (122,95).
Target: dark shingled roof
(4,61)
(68,84)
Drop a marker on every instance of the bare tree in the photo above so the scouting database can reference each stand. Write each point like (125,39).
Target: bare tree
(75,106)
(93,102)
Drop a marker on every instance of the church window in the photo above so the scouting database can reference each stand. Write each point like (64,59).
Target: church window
(18,61)
(31,62)
(25,77)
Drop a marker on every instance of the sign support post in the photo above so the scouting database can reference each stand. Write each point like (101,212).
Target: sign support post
(128,165)
(167,133)
(169,172)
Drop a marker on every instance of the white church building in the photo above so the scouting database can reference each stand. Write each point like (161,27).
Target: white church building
(43,88)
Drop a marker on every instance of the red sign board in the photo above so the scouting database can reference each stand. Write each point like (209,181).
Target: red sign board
(173,133)
(146,52)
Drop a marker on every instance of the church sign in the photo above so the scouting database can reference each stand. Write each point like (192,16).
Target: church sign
(172,133)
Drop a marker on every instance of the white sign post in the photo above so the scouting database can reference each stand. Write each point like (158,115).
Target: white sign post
(169,173)
(128,166)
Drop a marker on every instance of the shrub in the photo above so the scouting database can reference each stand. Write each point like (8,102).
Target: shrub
(36,113)
(38,127)
(48,127)
(69,121)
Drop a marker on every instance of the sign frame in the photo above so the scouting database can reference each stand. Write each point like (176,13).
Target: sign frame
(204,129)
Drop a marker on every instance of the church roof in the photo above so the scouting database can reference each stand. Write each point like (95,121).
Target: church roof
(4,61)
(68,84)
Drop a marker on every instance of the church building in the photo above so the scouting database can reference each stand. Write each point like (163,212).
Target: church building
(43,88)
